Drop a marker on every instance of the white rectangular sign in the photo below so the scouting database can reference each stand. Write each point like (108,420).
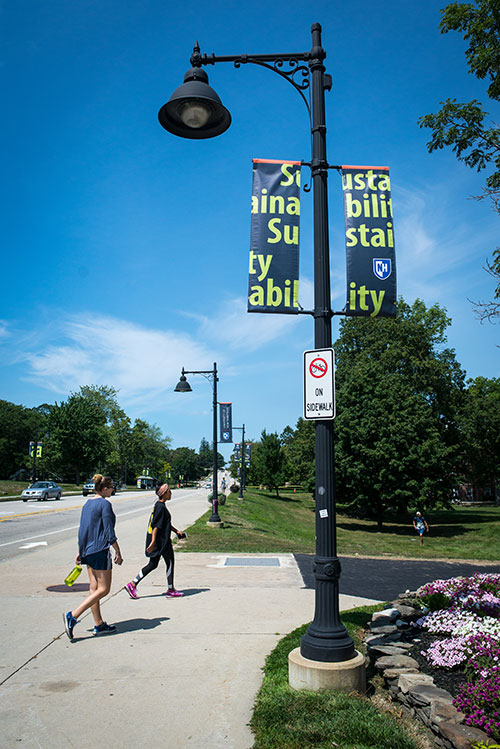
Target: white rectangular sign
(319,384)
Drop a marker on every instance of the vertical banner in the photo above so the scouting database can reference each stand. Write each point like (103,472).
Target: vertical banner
(39,450)
(248,454)
(273,273)
(31,449)
(369,241)
(226,422)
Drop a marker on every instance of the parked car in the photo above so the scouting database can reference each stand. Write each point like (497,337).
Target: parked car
(89,488)
(42,490)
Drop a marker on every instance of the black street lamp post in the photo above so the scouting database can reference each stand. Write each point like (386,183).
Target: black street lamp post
(195,111)
(183,386)
(242,463)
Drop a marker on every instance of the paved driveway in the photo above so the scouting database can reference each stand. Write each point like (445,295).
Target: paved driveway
(383,579)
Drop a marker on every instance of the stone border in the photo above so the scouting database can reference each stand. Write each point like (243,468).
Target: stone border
(416,691)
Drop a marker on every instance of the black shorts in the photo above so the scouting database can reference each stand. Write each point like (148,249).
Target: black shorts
(101,560)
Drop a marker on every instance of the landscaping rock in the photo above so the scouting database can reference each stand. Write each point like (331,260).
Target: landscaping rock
(444,711)
(424,694)
(382,639)
(373,650)
(390,614)
(389,629)
(462,736)
(381,622)
(408,612)
(395,661)
(408,681)
(403,645)
(394,673)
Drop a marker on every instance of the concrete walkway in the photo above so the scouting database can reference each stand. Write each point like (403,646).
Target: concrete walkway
(179,673)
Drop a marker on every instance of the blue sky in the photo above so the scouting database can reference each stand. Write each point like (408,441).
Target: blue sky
(126,248)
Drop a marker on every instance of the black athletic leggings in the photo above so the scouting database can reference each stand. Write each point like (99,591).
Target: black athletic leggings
(168,556)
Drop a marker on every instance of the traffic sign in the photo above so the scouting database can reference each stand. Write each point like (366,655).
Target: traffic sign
(319,384)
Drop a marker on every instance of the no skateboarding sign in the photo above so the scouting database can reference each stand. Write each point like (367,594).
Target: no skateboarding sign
(319,384)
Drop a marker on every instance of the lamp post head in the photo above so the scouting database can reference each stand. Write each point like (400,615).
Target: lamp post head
(194,110)
(183,385)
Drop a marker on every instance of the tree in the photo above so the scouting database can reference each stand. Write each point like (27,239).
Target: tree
(299,448)
(398,393)
(462,126)
(18,427)
(480,426)
(185,462)
(148,449)
(79,440)
(268,460)
(206,454)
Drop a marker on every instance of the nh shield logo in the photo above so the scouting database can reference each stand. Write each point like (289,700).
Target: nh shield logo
(382,267)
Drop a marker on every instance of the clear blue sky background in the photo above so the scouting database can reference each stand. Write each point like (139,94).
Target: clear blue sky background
(126,249)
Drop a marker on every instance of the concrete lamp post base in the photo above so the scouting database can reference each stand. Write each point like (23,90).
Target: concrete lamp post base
(215,524)
(346,676)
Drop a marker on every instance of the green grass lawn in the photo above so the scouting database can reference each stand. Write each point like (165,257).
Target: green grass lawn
(264,523)
(285,718)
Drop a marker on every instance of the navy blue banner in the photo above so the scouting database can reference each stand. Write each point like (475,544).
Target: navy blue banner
(273,280)
(226,422)
(369,241)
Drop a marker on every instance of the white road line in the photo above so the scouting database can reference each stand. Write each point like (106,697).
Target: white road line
(73,527)
(41,535)
(35,543)
(62,530)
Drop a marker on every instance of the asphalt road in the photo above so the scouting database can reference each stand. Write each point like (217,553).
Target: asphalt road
(25,526)
(383,579)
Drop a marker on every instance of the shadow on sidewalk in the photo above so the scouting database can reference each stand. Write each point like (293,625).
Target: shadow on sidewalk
(132,625)
(187,593)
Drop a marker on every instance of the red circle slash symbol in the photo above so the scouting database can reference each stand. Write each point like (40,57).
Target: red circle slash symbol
(318,367)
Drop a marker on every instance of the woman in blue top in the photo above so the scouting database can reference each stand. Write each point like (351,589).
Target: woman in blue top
(96,534)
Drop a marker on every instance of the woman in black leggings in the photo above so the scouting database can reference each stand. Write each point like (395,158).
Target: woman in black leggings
(159,545)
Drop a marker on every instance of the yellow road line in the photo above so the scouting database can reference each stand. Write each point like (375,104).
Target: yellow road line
(62,509)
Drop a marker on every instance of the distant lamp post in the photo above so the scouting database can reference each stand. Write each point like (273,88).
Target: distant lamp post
(183,386)
(195,111)
(242,465)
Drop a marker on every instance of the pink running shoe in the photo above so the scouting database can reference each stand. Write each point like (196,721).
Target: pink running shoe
(131,590)
(173,593)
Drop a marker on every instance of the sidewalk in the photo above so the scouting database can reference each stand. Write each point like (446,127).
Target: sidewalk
(179,673)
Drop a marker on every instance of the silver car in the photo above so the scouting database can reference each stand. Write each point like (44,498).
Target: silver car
(42,490)
(89,488)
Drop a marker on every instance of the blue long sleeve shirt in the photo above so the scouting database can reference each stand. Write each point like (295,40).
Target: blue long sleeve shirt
(97,526)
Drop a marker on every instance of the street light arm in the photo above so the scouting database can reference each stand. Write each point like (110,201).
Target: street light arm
(207,373)
(277,60)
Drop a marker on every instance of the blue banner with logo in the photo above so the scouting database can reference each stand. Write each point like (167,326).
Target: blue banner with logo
(273,273)
(369,242)
(226,422)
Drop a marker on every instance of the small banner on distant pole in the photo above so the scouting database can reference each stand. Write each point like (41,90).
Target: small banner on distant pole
(273,280)
(226,422)
(369,241)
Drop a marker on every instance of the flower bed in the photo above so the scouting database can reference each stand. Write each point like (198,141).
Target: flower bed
(462,618)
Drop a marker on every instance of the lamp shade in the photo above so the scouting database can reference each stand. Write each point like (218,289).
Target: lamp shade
(194,110)
(182,386)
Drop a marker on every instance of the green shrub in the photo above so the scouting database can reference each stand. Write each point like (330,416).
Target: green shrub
(436,601)
(221,497)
